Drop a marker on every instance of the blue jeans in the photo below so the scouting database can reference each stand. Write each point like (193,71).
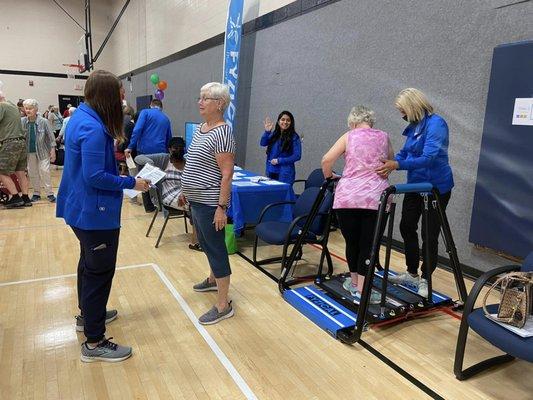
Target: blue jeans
(213,242)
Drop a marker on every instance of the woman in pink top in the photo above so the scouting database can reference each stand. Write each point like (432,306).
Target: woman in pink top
(358,191)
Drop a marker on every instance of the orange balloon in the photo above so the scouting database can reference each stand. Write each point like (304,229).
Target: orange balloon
(162,85)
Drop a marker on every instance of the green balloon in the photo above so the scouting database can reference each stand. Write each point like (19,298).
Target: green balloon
(154,78)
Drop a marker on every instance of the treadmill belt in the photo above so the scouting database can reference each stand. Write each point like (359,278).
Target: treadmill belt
(399,301)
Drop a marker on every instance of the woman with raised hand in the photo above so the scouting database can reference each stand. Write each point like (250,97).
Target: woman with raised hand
(284,148)
(90,201)
(206,185)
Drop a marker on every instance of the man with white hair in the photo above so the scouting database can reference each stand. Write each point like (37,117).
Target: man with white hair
(12,154)
(41,149)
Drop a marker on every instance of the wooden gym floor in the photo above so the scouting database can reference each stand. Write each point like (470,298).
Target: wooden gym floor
(268,350)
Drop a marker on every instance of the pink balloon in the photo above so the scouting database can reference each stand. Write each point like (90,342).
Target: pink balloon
(159,94)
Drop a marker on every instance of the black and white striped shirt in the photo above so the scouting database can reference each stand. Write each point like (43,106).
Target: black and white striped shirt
(202,176)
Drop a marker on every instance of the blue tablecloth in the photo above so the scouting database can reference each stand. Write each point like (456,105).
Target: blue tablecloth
(249,198)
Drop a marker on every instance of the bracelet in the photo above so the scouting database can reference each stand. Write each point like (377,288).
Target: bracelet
(222,206)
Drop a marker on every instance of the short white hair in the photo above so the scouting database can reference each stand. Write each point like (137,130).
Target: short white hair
(31,103)
(359,115)
(218,91)
(71,110)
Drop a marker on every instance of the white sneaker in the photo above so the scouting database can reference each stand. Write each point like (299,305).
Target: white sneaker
(404,279)
(423,288)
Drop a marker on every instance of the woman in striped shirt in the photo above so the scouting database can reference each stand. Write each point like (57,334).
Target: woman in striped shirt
(206,184)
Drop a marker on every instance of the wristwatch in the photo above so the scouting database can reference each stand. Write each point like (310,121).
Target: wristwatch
(223,206)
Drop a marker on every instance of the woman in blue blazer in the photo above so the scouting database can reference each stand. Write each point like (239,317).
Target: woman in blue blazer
(425,158)
(90,201)
(284,148)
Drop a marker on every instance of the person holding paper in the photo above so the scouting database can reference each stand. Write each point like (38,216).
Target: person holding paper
(206,184)
(425,158)
(284,148)
(90,200)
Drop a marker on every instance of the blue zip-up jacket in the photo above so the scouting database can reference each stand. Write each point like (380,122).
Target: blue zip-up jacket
(90,193)
(425,153)
(285,167)
(152,132)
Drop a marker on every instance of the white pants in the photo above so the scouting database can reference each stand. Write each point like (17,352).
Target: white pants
(39,172)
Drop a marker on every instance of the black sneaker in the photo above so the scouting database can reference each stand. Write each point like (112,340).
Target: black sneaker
(35,198)
(51,198)
(14,202)
(27,200)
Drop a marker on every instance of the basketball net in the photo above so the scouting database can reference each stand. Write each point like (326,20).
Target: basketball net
(71,70)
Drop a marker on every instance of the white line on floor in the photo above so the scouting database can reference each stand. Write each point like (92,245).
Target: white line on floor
(241,383)
(49,278)
(224,360)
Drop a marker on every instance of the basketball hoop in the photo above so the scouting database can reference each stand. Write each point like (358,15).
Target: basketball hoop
(71,71)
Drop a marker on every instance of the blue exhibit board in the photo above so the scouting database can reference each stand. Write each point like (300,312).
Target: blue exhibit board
(502,213)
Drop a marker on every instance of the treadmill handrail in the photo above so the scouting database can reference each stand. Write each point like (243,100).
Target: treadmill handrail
(422,187)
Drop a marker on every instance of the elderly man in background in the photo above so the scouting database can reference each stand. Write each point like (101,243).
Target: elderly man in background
(41,149)
(12,154)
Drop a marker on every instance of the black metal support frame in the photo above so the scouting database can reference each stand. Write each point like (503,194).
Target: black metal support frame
(424,189)
(297,245)
(463,330)
(355,334)
(288,263)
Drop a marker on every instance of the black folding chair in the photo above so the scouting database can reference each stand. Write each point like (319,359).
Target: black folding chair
(169,212)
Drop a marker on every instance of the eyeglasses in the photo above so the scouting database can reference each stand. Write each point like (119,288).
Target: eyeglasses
(203,99)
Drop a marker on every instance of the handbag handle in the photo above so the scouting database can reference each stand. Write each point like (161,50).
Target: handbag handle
(526,278)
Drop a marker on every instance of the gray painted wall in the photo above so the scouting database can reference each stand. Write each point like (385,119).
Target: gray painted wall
(320,64)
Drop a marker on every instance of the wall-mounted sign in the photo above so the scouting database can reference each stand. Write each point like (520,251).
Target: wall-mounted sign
(523,111)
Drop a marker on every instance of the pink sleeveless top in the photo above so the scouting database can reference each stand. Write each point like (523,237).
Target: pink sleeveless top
(360,186)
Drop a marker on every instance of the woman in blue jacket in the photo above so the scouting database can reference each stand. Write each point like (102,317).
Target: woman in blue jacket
(425,157)
(90,200)
(284,148)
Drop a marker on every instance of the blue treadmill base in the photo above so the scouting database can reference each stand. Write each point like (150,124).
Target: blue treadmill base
(321,309)
(332,316)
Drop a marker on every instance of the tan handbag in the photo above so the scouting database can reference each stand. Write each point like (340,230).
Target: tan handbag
(515,298)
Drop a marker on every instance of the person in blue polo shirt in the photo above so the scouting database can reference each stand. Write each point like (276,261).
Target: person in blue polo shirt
(425,158)
(151,135)
(90,200)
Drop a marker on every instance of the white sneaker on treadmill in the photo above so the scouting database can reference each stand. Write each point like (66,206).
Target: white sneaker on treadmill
(423,288)
(404,279)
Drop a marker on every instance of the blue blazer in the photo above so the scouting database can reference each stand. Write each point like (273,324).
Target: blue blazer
(286,159)
(90,193)
(425,153)
(151,133)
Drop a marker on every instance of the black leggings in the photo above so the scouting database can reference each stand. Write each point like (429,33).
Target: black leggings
(413,204)
(357,227)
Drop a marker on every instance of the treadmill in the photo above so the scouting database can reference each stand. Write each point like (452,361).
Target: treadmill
(344,316)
